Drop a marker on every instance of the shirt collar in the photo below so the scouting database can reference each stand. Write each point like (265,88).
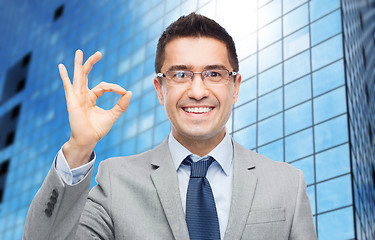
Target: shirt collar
(222,153)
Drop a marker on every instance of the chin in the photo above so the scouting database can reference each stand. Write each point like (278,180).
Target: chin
(200,133)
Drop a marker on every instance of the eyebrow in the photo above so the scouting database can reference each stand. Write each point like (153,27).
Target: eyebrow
(187,67)
(179,67)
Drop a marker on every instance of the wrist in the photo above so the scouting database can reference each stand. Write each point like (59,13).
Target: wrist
(77,155)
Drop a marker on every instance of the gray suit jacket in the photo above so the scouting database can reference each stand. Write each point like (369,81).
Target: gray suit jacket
(137,197)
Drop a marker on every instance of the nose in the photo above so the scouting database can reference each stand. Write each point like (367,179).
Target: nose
(198,89)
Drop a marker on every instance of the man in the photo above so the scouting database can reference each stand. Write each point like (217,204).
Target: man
(198,184)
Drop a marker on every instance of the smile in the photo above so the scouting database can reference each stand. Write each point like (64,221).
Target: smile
(197,109)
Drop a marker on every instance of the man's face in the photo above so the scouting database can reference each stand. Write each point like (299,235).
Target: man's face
(184,103)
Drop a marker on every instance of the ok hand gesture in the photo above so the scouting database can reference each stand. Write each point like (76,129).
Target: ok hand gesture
(88,122)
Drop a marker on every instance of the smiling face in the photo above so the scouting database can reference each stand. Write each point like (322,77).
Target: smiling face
(198,113)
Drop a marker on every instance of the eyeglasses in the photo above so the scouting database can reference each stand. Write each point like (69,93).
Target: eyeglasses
(180,77)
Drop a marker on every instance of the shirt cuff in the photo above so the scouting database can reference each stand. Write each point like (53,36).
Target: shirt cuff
(72,176)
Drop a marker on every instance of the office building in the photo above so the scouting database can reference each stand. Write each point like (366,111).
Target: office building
(307,93)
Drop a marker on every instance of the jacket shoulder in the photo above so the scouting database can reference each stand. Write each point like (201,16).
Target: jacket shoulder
(141,162)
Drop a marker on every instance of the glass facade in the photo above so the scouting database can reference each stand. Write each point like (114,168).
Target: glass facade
(359,28)
(307,93)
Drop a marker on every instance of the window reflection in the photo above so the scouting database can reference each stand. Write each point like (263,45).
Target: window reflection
(274,150)
(270,103)
(155,29)
(270,56)
(317,11)
(246,137)
(329,105)
(298,118)
(144,141)
(270,79)
(326,27)
(246,47)
(161,131)
(270,129)
(328,199)
(269,12)
(291,4)
(307,167)
(248,67)
(297,92)
(298,145)
(130,129)
(332,162)
(296,43)
(331,133)
(297,66)
(146,120)
(336,225)
(295,20)
(247,91)
(327,52)
(269,34)
(244,115)
(311,194)
(328,78)
(160,114)
(151,47)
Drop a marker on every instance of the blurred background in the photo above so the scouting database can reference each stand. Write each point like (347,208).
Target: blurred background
(307,95)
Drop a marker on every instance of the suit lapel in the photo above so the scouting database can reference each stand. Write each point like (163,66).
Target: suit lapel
(244,185)
(166,183)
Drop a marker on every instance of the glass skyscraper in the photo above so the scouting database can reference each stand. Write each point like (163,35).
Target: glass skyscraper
(306,98)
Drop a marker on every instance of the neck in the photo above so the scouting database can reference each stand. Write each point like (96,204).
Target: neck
(198,145)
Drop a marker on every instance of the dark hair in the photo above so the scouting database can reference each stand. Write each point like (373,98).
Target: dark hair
(195,25)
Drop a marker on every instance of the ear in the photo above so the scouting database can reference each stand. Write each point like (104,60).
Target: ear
(159,90)
(236,89)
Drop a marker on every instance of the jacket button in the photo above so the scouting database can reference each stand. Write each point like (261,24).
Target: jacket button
(53,199)
(50,205)
(55,193)
(48,212)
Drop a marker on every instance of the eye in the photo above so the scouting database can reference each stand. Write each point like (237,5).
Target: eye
(180,75)
(213,74)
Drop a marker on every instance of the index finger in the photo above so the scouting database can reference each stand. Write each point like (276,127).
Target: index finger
(104,87)
(91,61)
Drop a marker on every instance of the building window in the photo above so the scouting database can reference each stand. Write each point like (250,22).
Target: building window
(8,126)
(3,174)
(16,77)
(58,12)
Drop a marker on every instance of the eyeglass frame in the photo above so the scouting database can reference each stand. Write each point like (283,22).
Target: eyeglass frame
(230,74)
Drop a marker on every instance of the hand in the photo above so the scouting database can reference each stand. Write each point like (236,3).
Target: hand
(88,122)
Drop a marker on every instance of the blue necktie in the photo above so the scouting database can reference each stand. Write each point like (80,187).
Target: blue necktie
(201,215)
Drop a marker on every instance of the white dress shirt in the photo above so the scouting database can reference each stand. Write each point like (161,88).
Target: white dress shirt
(219,174)
(72,176)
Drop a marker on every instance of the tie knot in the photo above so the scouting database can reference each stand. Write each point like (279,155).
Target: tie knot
(198,169)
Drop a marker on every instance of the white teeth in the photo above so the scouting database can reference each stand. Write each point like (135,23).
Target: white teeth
(198,109)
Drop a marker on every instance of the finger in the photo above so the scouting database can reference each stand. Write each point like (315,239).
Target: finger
(104,87)
(78,80)
(65,79)
(90,62)
(122,104)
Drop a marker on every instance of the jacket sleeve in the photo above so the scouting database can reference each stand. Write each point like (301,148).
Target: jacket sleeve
(303,225)
(56,208)
(62,211)
(96,221)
